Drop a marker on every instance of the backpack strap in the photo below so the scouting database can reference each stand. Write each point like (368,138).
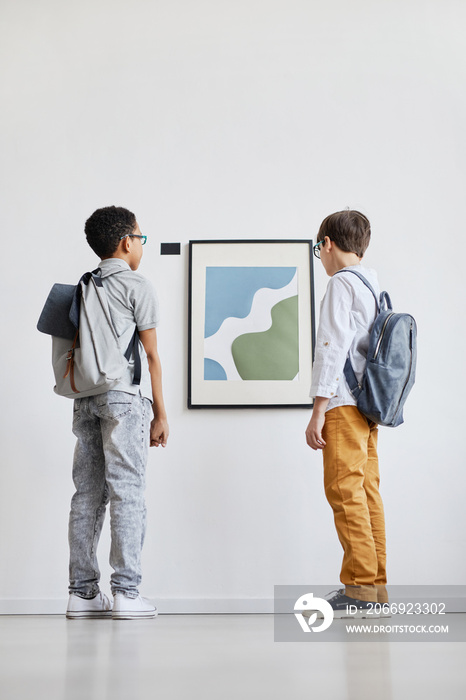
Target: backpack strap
(69,370)
(351,378)
(133,349)
(366,282)
(383,301)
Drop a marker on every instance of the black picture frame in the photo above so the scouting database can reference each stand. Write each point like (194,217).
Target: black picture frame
(265,356)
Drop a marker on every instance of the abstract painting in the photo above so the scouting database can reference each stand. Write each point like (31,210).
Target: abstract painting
(251,323)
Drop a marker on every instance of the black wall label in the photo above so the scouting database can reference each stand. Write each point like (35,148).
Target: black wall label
(170,248)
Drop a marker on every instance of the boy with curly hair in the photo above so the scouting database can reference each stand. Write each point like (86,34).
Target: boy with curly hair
(113,432)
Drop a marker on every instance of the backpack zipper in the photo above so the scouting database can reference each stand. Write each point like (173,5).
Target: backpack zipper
(409,372)
(381,335)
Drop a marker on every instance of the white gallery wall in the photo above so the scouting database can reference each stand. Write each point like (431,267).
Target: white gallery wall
(219,119)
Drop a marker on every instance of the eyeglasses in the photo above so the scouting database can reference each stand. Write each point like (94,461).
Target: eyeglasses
(135,235)
(316,249)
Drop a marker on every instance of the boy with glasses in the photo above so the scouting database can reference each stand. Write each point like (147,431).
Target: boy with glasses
(348,440)
(113,433)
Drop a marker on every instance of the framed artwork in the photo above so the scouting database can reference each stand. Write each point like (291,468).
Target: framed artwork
(251,323)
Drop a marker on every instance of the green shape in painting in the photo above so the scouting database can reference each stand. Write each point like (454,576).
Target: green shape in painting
(271,354)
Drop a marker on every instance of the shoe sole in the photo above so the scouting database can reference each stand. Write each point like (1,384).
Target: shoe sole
(121,615)
(356,616)
(88,615)
(342,615)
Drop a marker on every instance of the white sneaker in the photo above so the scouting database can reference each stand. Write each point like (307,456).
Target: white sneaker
(125,608)
(83,608)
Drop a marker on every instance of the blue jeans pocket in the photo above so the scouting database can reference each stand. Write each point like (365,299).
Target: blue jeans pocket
(114,404)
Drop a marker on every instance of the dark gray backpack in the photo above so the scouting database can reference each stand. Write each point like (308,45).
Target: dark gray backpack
(391,363)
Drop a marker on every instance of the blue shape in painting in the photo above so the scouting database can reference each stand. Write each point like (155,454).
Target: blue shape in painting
(230,291)
(213,370)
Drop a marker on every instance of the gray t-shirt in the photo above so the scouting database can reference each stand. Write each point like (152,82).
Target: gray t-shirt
(131,300)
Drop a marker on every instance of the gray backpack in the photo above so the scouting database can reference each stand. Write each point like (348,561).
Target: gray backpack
(97,358)
(391,363)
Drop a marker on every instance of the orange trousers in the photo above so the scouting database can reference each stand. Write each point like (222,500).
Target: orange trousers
(351,481)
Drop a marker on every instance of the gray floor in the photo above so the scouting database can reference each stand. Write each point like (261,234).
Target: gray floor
(213,656)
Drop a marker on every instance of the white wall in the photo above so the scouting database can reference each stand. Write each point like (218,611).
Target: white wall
(232,119)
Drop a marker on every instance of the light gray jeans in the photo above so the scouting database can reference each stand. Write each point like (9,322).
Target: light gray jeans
(109,466)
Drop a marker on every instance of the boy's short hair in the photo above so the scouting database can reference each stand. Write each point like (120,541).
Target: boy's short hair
(349,229)
(106,226)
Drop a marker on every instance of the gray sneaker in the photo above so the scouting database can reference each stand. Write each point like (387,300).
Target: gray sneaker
(125,608)
(345,607)
(87,608)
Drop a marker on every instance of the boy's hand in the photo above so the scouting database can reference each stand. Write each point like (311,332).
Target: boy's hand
(158,432)
(314,430)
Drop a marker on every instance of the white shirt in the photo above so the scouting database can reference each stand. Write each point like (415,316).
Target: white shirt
(347,314)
